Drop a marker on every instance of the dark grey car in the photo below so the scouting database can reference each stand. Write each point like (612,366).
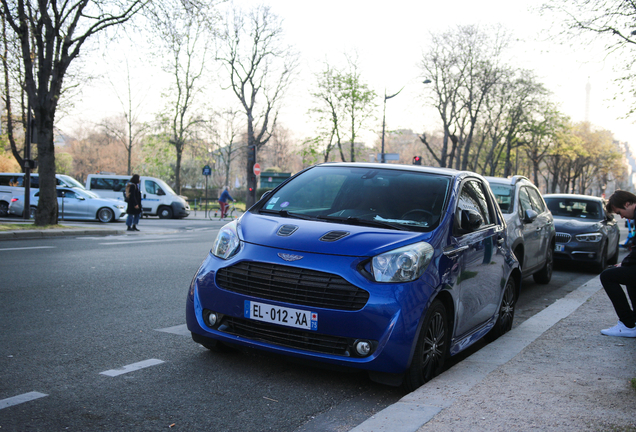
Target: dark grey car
(585,232)
(530,225)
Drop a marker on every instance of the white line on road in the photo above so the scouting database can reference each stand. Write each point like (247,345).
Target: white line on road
(181,330)
(15,400)
(131,367)
(27,248)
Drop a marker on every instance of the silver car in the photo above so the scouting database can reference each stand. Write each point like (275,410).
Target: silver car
(75,203)
(530,228)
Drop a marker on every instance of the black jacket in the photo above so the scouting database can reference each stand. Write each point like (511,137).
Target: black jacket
(133,197)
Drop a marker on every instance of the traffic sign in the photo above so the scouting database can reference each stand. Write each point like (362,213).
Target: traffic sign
(207,170)
(257,169)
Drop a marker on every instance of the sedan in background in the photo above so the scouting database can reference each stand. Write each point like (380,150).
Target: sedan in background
(75,203)
(382,267)
(585,233)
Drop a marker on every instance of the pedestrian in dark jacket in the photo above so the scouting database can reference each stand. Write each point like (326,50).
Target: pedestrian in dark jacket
(133,198)
(624,204)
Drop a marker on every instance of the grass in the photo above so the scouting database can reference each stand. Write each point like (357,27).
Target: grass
(633,383)
(30,226)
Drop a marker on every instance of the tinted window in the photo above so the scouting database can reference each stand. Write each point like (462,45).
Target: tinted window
(152,187)
(112,184)
(524,201)
(537,201)
(575,208)
(472,197)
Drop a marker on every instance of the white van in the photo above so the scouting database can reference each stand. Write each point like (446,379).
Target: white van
(13,184)
(157,198)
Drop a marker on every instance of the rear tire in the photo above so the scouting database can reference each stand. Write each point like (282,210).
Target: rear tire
(4,209)
(506,312)
(544,275)
(431,349)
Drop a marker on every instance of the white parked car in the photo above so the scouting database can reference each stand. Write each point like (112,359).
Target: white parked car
(75,203)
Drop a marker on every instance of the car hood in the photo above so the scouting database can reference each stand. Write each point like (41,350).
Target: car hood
(572,225)
(360,241)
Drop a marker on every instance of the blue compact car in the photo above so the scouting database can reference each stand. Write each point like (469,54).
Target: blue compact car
(383,267)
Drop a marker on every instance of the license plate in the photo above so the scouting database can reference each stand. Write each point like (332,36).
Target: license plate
(281,315)
(559,248)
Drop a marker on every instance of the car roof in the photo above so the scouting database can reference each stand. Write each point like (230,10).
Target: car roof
(509,180)
(403,167)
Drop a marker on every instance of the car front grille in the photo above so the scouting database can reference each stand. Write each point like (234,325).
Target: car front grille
(292,285)
(283,336)
(563,237)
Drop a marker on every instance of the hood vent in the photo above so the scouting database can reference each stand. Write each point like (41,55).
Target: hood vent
(334,235)
(287,230)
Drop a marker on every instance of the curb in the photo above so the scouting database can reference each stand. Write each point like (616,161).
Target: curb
(35,234)
(419,407)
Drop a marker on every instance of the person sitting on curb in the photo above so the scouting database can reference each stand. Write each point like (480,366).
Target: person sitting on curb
(624,204)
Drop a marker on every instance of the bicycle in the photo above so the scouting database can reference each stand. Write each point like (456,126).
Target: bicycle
(230,212)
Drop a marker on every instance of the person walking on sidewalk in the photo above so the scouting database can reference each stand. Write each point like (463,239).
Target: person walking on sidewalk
(225,195)
(133,198)
(622,203)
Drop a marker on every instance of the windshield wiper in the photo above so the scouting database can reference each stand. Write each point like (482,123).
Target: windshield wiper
(357,221)
(285,213)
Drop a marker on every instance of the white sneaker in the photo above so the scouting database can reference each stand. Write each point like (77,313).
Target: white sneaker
(620,330)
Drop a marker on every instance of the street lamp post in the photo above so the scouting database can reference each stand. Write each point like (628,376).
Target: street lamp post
(384,119)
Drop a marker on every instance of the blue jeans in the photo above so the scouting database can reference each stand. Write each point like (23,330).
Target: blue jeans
(132,219)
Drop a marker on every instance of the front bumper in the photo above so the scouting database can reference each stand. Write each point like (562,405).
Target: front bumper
(388,320)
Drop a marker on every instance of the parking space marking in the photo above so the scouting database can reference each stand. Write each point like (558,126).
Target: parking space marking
(181,330)
(27,248)
(15,400)
(132,367)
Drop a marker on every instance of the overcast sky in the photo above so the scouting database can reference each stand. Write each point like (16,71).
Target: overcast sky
(389,38)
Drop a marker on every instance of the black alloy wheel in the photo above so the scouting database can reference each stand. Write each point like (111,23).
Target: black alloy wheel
(431,350)
(506,312)
(602,262)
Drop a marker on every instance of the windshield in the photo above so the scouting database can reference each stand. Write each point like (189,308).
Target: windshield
(363,196)
(574,208)
(70,181)
(504,194)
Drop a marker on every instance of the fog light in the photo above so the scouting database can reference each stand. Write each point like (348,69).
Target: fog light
(212,319)
(363,348)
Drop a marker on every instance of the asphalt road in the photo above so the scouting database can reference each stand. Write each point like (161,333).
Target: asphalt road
(92,337)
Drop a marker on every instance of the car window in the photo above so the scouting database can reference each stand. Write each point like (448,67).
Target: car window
(66,193)
(575,208)
(152,187)
(537,201)
(524,201)
(504,194)
(472,197)
(358,194)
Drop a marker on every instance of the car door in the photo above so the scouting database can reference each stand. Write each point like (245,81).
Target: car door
(531,232)
(544,224)
(151,196)
(481,263)
(70,205)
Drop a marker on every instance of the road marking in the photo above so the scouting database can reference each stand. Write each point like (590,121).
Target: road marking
(27,248)
(132,367)
(15,400)
(181,330)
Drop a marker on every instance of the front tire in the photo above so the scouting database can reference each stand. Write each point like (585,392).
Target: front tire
(4,209)
(506,312)
(602,263)
(165,213)
(105,215)
(614,259)
(544,275)
(431,349)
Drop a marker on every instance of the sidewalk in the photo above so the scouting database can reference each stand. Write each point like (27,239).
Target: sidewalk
(554,372)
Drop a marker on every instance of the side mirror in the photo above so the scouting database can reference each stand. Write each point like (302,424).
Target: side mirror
(160,192)
(470,221)
(529,216)
(81,198)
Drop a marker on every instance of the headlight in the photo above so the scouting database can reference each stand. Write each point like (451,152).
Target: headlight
(402,265)
(121,207)
(227,242)
(592,237)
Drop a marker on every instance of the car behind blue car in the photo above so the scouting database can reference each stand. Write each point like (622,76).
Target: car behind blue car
(387,268)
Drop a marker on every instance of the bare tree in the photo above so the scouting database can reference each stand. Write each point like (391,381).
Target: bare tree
(51,34)
(260,68)
(185,34)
